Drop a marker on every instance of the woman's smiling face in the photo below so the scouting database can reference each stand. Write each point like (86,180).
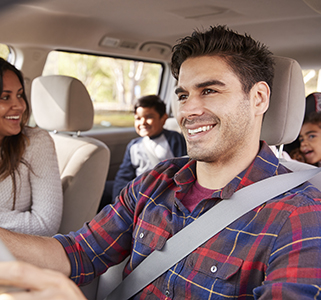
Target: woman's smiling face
(12,105)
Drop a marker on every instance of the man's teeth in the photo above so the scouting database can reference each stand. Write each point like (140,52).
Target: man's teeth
(12,117)
(200,129)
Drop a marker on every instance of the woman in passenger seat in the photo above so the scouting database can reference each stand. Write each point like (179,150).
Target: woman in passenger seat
(31,192)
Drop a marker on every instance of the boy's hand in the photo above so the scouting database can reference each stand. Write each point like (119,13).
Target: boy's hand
(39,284)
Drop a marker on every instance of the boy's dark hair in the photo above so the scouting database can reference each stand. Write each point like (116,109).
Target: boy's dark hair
(251,61)
(313,118)
(151,101)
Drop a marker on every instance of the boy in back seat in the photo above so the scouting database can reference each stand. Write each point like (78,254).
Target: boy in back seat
(154,145)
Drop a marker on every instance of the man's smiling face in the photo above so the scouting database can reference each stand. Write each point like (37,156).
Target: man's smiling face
(214,113)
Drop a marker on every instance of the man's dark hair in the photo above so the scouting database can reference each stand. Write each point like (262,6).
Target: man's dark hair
(250,60)
(152,101)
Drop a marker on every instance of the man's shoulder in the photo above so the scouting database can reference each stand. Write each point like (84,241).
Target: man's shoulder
(158,179)
(179,162)
(167,168)
(304,195)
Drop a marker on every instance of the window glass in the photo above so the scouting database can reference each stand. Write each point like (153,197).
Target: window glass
(4,51)
(312,81)
(114,84)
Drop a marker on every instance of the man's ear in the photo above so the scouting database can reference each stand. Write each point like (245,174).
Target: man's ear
(261,95)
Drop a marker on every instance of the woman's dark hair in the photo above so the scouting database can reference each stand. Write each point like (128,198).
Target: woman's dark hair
(13,147)
(151,101)
(251,61)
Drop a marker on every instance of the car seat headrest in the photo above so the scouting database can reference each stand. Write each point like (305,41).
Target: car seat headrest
(283,120)
(312,103)
(61,103)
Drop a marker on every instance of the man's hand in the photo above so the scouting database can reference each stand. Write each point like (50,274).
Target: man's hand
(40,284)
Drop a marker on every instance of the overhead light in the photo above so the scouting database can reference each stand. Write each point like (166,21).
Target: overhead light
(198,12)
(157,48)
(109,42)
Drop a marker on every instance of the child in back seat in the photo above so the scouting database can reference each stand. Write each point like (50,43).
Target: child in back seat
(143,153)
(310,139)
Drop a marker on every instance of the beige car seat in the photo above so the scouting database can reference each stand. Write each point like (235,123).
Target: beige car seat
(62,104)
(284,118)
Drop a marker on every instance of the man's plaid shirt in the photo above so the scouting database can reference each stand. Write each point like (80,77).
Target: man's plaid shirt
(271,252)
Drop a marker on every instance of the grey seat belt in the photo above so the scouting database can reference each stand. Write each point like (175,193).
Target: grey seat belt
(203,228)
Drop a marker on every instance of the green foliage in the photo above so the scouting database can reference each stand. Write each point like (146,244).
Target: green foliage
(114,84)
(312,80)
(4,51)
(113,119)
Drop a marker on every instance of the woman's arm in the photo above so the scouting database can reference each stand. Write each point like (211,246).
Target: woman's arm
(44,252)
(38,207)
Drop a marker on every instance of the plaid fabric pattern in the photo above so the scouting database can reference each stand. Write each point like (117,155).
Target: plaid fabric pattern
(272,252)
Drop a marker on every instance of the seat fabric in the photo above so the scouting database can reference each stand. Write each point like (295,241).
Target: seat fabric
(61,104)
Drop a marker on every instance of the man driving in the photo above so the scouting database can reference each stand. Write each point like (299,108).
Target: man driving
(271,252)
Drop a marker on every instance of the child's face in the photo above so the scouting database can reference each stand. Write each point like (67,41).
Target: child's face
(148,121)
(310,142)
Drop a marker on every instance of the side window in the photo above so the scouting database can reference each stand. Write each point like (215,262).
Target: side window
(5,52)
(114,84)
(312,81)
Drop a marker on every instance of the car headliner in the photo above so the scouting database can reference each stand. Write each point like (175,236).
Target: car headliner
(141,28)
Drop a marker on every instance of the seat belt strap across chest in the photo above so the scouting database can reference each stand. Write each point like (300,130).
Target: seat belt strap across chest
(210,223)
